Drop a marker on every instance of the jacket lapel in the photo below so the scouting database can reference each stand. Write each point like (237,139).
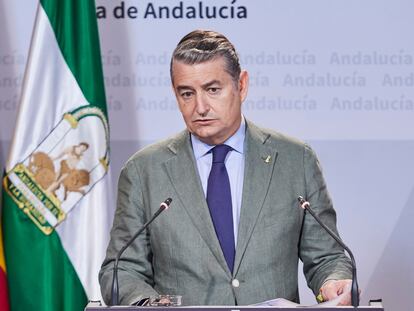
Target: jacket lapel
(182,170)
(259,163)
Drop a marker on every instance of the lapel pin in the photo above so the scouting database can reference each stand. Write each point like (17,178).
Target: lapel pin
(267,159)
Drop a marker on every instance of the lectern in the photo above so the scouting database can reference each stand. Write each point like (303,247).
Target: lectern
(97,307)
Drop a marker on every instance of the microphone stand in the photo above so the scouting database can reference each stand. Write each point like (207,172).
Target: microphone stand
(115,288)
(354,289)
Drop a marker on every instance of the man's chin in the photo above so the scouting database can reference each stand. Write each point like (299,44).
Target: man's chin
(210,139)
(204,136)
(206,140)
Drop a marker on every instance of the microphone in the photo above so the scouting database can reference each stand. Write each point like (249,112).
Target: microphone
(354,289)
(115,289)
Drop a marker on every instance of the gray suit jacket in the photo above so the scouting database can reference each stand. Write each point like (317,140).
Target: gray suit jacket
(180,253)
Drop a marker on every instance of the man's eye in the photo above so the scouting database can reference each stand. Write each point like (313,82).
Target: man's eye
(213,90)
(186,94)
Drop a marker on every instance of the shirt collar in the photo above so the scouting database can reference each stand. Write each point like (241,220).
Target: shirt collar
(236,141)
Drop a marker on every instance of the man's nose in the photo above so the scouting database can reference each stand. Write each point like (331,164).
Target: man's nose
(202,106)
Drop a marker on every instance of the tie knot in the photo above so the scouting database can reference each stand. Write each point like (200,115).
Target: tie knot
(220,152)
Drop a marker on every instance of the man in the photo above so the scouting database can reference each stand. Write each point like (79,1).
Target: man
(234,233)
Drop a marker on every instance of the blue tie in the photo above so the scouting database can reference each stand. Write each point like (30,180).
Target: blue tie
(219,203)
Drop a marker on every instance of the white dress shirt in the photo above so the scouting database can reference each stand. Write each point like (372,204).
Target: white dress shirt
(234,164)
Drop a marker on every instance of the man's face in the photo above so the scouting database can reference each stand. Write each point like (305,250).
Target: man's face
(209,99)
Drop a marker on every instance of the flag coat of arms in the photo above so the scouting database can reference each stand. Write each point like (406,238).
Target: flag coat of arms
(56,198)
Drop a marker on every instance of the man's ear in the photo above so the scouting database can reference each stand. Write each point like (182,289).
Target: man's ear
(243,84)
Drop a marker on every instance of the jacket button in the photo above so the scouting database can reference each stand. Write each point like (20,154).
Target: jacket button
(235,283)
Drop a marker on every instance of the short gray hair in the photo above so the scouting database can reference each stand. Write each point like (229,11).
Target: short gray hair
(200,46)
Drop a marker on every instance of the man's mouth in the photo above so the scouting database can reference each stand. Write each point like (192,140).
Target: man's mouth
(203,121)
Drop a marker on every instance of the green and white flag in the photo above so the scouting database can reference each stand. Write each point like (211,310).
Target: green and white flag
(56,197)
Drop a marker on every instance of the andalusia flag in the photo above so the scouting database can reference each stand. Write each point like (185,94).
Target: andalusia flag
(55,189)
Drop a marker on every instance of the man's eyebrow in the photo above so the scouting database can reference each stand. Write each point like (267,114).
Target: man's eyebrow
(184,87)
(210,83)
(204,86)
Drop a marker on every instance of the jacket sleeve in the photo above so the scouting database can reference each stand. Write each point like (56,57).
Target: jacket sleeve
(135,273)
(322,257)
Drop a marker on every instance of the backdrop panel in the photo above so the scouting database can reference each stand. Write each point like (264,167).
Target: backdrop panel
(337,74)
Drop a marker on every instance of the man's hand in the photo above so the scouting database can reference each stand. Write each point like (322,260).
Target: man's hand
(333,288)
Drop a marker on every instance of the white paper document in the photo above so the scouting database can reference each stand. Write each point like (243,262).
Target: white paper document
(281,302)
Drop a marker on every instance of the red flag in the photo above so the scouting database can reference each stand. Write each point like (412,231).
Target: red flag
(4,299)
